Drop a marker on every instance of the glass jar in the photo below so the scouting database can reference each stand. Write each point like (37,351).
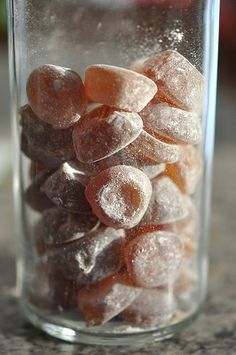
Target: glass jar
(113,106)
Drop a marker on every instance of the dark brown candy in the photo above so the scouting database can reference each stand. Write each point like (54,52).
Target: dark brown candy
(50,290)
(42,143)
(65,188)
(57,227)
(90,258)
(36,198)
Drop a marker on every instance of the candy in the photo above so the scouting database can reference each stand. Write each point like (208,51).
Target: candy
(56,95)
(153,259)
(167,203)
(146,147)
(137,65)
(187,171)
(103,132)
(119,196)
(65,189)
(153,307)
(185,282)
(50,290)
(57,227)
(42,143)
(36,198)
(118,87)
(171,122)
(105,299)
(178,81)
(89,258)
(36,169)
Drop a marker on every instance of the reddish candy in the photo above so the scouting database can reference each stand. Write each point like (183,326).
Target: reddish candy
(118,87)
(119,196)
(56,95)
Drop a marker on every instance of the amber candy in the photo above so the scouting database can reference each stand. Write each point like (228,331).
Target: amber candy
(102,301)
(152,307)
(153,259)
(57,227)
(178,81)
(56,95)
(65,188)
(90,258)
(42,143)
(103,132)
(187,171)
(118,87)
(119,196)
(173,123)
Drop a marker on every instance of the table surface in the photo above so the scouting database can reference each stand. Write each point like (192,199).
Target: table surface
(214,332)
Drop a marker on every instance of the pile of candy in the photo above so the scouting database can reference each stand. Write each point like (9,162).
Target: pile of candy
(113,168)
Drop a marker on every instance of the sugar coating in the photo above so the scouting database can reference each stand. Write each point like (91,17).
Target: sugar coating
(90,258)
(57,227)
(179,125)
(185,282)
(65,189)
(118,87)
(42,143)
(167,203)
(119,196)
(187,171)
(56,95)
(177,79)
(103,132)
(137,65)
(153,259)
(152,307)
(147,147)
(104,300)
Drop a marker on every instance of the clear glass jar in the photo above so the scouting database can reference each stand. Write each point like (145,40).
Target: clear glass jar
(112,167)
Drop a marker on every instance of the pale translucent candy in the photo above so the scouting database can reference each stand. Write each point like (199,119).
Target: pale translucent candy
(167,203)
(102,301)
(65,189)
(56,95)
(103,132)
(185,282)
(153,259)
(119,196)
(124,157)
(90,258)
(187,171)
(171,122)
(137,65)
(118,87)
(57,227)
(178,81)
(153,307)
(150,148)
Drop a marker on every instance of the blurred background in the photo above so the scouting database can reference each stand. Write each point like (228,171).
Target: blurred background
(225,121)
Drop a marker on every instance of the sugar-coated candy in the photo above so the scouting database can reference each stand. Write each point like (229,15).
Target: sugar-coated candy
(36,169)
(152,307)
(167,203)
(66,189)
(187,171)
(146,147)
(137,65)
(36,198)
(56,95)
(119,196)
(118,87)
(49,290)
(153,259)
(102,301)
(178,81)
(57,227)
(90,258)
(42,143)
(185,282)
(103,132)
(171,122)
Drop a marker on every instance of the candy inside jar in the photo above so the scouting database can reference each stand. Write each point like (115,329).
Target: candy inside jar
(116,234)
